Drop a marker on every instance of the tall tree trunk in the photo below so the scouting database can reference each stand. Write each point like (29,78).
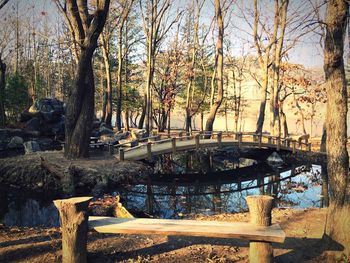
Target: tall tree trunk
(2,93)
(108,93)
(104,94)
(263,96)
(338,216)
(143,113)
(219,68)
(275,117)
(119,90)
(80,109)
(323,139)
(284,123)
(80,104)
(264,63)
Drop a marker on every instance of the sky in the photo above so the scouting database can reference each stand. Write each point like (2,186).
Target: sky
(307,52)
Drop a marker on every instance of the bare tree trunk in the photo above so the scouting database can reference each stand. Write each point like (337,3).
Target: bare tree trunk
(263,96)
(119,90)
(104,95)
(275,117)
(2,93)
(323,139)
(264,63)
(284,123)
(80,104)
(109,94)
(143,113)
(219,69)
(80,109)
(338,216)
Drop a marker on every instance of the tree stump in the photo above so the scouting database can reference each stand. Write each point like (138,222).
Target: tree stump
(74,224)
(260,207)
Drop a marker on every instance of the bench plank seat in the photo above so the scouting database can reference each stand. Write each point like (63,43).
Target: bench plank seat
(238,230)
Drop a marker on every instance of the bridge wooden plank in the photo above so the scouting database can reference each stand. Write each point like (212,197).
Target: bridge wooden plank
(140,153)
(237,230)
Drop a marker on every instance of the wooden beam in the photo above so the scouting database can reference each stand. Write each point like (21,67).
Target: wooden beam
(167,227)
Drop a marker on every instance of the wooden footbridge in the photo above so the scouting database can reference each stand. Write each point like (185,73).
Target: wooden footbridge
(152,146)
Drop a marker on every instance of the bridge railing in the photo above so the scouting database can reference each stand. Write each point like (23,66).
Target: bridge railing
(253,139)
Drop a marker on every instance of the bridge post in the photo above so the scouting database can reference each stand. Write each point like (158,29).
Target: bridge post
(180,136)
(173,145)
(111,149)
(74,223)
(278,147)
(260,207)
(121,154)
(294,146)
(240,137)
(219,139)
(196,139)
(149,151)
(260,140)
(269,140)
(309,147)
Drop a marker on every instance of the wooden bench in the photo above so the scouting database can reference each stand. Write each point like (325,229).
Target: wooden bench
(260,232)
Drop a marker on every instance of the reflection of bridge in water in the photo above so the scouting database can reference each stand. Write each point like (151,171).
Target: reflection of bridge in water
(254,173)
(220,191)
(153,146)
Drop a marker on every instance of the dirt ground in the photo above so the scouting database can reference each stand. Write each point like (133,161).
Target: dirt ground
(304,230)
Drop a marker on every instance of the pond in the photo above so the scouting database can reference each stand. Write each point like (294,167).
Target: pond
(205,182)
(215,182)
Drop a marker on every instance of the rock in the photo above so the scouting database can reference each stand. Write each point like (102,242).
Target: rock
(31,146)
(4,134)
(45,144)
(96,124)
(15,142)
(32,133)
(24,116)
(138,133)
(107,138)
(95,133)
(104,130)
(121,136)
(33,109)
(274,158)
(33,125)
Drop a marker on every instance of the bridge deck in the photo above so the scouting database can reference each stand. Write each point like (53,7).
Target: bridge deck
(140,153)
(238,230)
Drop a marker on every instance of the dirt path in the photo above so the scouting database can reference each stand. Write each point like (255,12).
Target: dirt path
(304,229)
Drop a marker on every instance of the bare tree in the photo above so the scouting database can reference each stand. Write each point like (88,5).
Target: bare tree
(154,16)
(219,65)
(338,216)
(85,29)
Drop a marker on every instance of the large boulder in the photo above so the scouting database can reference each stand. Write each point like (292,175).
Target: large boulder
(138,133)
(107,138)
(34,124)
(121,136)
(15,142)
(31,146)
(104,130)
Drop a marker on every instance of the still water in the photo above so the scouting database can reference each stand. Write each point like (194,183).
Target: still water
(206,182)
(213,182)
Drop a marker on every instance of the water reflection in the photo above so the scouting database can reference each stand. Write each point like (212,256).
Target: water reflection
(214,183)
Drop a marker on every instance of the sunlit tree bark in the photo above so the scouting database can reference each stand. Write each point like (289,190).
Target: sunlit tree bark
(338,216)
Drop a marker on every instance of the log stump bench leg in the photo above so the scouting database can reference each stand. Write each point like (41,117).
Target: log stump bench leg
(74,224)
(260,207)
